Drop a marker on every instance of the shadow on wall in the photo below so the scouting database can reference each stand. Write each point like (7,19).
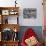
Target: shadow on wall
(37,29)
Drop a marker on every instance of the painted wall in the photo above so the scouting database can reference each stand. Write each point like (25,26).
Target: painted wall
(32,4)
(27,4)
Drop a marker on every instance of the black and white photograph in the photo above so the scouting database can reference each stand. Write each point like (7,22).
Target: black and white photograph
(29,12)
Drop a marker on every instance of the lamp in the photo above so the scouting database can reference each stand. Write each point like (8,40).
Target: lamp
(15,3)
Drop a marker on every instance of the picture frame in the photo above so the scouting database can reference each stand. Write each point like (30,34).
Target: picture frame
(5,12)
(13,12)
(29,12)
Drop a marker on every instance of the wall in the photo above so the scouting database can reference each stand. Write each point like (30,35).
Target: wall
(7,3)
(27,4)
(32,4)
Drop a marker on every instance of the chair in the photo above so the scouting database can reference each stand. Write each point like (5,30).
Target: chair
(29,33)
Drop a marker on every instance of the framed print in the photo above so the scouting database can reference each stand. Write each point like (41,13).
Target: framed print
(29,12)
(5,12)
(13,12)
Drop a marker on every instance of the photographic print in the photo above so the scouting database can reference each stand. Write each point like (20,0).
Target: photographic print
(5,12)
(29,12)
